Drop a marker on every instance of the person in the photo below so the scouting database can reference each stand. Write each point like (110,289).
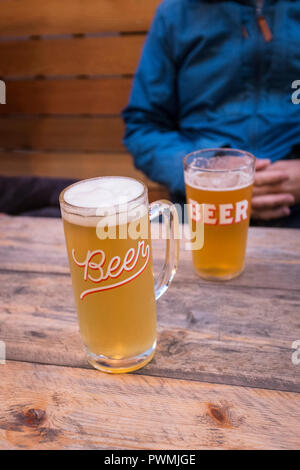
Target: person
(215,73)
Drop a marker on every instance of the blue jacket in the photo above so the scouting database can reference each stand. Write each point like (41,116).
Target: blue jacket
(208,78)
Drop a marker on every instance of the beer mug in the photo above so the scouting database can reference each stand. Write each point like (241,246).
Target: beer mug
(219,189)
(107,231)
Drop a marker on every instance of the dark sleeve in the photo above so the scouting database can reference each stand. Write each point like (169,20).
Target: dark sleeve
(151,117)
(20,194)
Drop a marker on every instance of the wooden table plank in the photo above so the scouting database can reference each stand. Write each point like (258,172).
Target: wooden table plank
(247,342)
(49,407)
(37,244)
(235,333)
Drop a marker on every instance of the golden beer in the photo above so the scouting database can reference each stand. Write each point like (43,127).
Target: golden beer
(220,199)
(123,323)
(110,260)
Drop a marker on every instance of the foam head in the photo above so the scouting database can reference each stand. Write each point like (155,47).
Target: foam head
(220,173)
(105,197)
(103,192)
(218,182)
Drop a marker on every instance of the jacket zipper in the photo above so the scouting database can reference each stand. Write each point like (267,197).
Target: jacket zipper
(262,22)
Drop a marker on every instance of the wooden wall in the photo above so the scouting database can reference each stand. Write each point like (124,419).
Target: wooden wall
(68,68)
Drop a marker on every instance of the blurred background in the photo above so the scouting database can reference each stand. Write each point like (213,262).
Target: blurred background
(68,68)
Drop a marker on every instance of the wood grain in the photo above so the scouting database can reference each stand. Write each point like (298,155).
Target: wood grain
(238,334)
(200,340)
(49,407)
(82,96)
(272,262)
(35,17)
(77,56)
(76,165)
(73,165)
(63,134)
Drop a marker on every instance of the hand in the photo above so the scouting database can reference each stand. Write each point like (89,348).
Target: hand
(292,183)
(272,190)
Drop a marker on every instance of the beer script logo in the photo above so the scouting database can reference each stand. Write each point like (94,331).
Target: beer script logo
(95,260)
(226,216)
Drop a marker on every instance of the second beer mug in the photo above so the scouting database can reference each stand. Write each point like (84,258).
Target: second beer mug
(219,189)
(107,230)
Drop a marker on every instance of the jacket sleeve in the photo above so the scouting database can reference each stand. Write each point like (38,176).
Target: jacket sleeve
(151,117)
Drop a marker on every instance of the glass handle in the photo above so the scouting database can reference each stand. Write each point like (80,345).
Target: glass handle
(170,219)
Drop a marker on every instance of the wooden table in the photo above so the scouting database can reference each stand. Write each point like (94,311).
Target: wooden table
(222,376)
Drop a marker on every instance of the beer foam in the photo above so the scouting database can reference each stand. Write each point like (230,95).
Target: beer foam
(227,181)
(111,197)
(103,192)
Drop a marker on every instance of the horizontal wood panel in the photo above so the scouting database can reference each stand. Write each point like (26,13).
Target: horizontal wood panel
(83,56)
(34,17)
(48,407)
(76,165)
(61,133)
(73,165)
(84,96)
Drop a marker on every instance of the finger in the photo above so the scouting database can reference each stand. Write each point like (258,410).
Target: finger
(261,190)
(272,200)
(270,177)
(269,189)
(279,165)
(271,213)
(261,163)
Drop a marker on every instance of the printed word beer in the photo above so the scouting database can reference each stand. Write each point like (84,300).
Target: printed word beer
(222,214)
(219,188)
(115,267)
(112,277)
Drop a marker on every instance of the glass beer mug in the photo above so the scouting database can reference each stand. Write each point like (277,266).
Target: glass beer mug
(107,230)
(218,190)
